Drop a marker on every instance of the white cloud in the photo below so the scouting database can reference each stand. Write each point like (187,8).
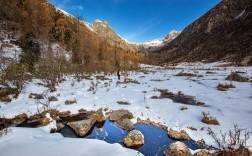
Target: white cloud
(80,7)
(141,30)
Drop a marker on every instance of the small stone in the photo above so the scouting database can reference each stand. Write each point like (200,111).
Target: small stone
(70,102)
(134,139)
(52,98)
(177,149)
(82,127)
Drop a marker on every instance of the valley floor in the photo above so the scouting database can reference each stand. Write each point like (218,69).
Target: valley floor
(230,107)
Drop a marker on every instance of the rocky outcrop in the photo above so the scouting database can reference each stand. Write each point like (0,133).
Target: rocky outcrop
(177,149)
(103,29)
(82,127)
(134,139)
(182,135)
(236,77)
(222,33)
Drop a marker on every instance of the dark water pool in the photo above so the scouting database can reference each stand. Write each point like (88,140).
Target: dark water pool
(184,99)
(156,139)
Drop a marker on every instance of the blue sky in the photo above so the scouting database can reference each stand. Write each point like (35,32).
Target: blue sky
(139,20)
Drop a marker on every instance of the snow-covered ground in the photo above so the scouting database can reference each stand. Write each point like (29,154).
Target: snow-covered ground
(37,141)
(229,107)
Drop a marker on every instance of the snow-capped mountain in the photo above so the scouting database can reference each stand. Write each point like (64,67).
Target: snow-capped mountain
(156,44)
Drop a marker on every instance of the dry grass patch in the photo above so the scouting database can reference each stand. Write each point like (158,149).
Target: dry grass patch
(224,87)
(165,92)
(232,142)
(192,128)
(200,103)
(36,96)
(155,97)
(207,119)
(188,74)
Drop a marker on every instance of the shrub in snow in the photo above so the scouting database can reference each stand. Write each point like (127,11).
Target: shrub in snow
(207,119)
(231,143)
(225,87)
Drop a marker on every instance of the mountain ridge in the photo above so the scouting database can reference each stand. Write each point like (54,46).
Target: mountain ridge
(223,33)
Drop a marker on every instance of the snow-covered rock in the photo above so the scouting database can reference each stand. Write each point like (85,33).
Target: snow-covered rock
(158,43)
(177,149)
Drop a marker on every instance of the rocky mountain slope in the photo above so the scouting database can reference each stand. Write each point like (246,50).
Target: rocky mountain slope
(223,33)
(103,30)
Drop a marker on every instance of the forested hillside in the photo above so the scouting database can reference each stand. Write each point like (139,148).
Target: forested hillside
(49,44)
(38,25)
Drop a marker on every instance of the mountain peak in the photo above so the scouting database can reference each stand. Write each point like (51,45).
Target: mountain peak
(172,35)
(101,24)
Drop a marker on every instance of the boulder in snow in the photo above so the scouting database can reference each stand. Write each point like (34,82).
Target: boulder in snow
(82,127)
(120,114)
(236,77)
(134,139)
(125,124)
